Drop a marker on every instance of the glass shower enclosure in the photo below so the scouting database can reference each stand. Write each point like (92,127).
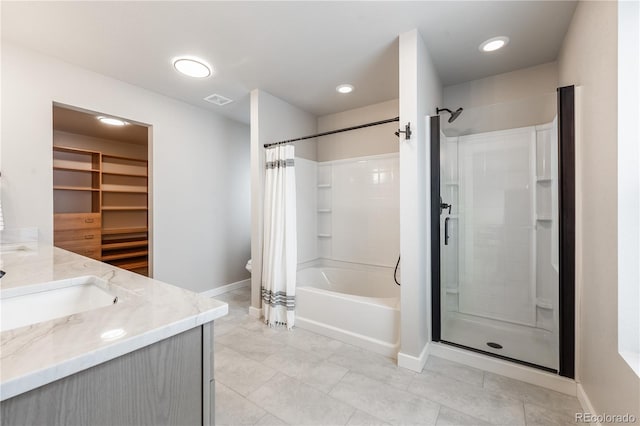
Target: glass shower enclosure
(498,223)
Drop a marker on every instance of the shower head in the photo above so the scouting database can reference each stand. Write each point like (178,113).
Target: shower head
(454,114)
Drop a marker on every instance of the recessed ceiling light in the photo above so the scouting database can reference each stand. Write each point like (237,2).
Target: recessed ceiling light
(112,121)
(494,43)
(193,67)
(344,88)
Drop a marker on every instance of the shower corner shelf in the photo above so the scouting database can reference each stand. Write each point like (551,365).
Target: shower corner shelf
(543,179)
(324,235)
(543,219)
(544,304)
(451,183)
(324,185)
(324,210)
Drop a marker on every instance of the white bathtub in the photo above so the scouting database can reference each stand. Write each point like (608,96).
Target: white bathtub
(356,304)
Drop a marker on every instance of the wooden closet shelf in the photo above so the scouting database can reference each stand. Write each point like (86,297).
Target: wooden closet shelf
(123,208)
(76,169)
(126,191)
(76,188)
(125,174)
(73,150)
(115,231)
(122,157)
(125,245)
(131,264)
(125,255)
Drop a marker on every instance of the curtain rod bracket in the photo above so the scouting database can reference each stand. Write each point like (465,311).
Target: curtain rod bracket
(406,131)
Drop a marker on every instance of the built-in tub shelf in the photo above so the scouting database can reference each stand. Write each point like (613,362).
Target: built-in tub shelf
(543,179)
(324,185)
(324,235)
(324,210)
(543,219)
(544,304)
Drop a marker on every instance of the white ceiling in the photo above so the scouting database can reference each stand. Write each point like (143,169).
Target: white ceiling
(298,51)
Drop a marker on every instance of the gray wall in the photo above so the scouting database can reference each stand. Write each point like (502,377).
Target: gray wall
(589,59)
(199,166)
(362,142)
(504,101)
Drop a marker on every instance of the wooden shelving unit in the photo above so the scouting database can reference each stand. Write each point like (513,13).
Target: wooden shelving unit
(110,193)
(125,208)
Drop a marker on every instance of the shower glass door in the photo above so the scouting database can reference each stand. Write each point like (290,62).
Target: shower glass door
(499,238)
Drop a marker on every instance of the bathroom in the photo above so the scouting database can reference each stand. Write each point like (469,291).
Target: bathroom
(364,196)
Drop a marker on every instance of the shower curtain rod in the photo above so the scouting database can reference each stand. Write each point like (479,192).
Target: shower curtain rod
(361,126)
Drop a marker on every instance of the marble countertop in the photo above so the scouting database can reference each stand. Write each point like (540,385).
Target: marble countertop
(147,312)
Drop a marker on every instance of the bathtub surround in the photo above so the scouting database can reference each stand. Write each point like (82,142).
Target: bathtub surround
(279,252)
(197,158)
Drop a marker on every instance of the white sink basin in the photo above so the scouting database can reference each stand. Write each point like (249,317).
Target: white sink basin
(43,302)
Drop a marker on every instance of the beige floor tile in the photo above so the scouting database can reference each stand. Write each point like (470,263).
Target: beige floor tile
(300,404)
(540,416)
(307,368)
(372,365)
(233,409)
(450,417)
(360,418)
(457,371)
(238,372)
(470,400)
(384,402)
(537,395)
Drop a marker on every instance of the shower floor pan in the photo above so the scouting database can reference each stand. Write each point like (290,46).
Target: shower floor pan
(519,342)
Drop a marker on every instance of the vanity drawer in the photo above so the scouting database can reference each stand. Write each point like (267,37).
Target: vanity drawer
(77,235)
(65,221)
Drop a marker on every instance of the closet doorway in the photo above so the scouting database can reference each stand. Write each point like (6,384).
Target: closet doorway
(101,193)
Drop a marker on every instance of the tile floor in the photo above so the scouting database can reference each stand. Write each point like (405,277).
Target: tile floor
(267,376)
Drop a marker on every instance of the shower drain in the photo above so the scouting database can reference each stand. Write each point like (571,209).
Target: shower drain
(494,345)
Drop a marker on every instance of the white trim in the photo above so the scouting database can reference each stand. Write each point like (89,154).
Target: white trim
(585,402)
(413,363)
(226,288)
(255,312)
(504,368)
(359,340)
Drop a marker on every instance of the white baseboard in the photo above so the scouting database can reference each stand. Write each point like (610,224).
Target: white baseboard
(226,288)
(413,363)
(355,339)
(585,402)
(504,368)
(255,312)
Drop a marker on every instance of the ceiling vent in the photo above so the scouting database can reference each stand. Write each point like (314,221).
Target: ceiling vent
(218,99)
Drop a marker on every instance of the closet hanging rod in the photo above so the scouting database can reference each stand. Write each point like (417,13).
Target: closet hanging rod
(331,132)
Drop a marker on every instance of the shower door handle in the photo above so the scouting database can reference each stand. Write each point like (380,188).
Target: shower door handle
(446,231)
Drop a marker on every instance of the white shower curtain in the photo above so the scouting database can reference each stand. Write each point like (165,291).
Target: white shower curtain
(279,251)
